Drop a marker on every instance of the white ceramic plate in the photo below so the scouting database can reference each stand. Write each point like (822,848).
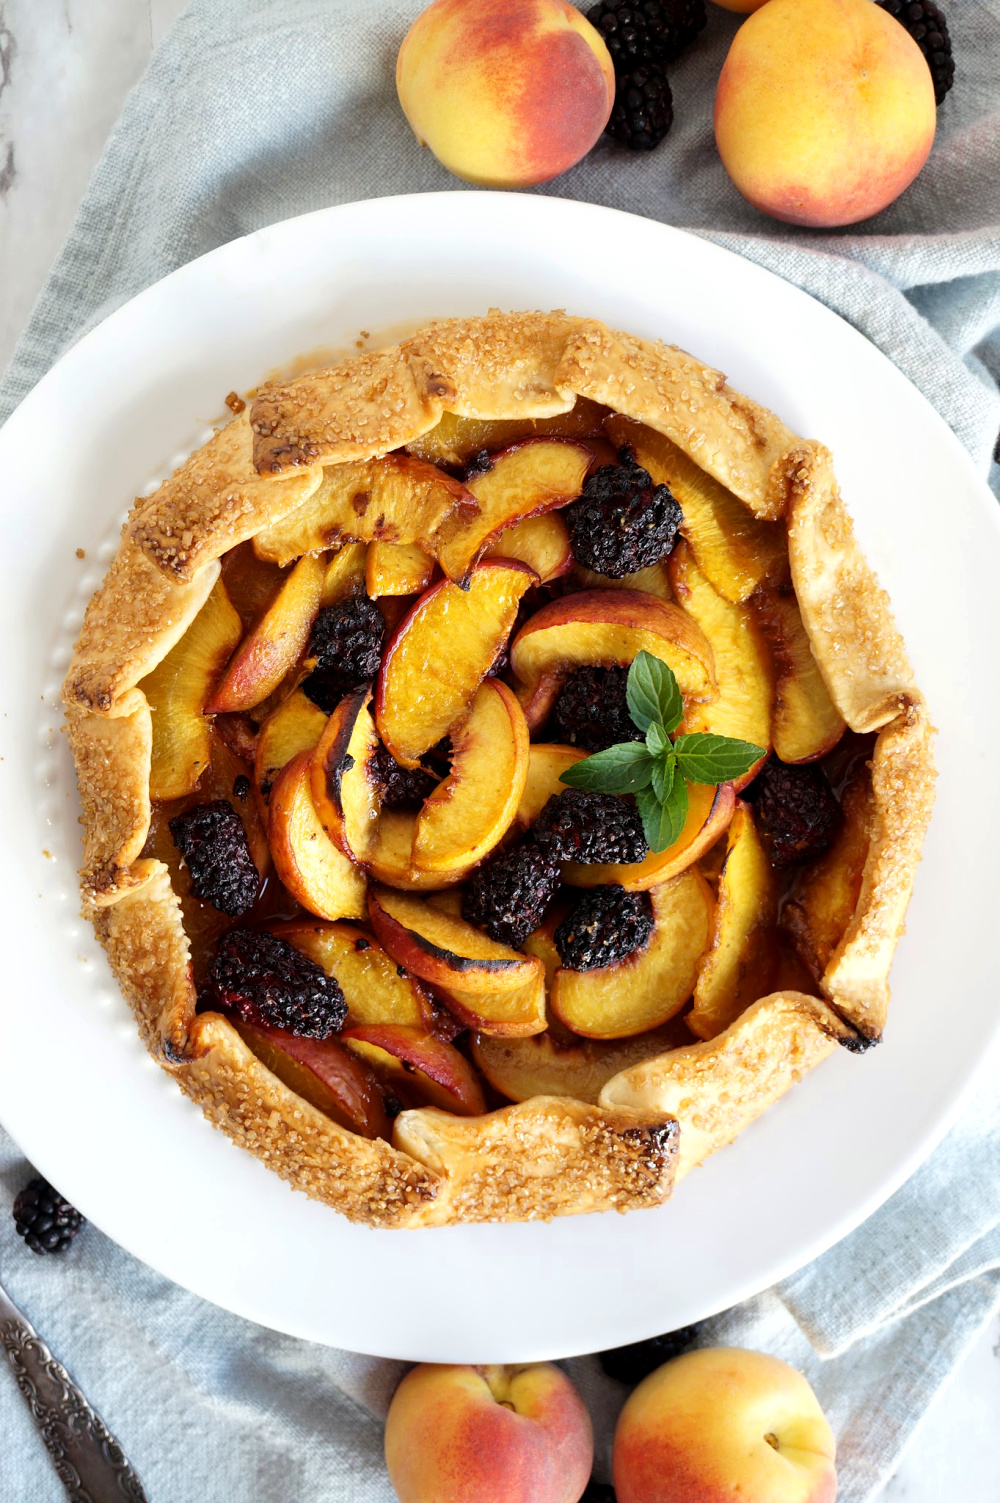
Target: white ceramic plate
(76,1088)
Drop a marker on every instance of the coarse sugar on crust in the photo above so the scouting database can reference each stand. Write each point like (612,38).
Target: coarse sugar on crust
(545,1156)
(129,626)
(844,609)
(214,501)
(548,1156)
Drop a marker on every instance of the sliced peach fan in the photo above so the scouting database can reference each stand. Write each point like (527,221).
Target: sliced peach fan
(340,487)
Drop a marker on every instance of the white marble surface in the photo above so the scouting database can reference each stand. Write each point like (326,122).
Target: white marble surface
(65,67)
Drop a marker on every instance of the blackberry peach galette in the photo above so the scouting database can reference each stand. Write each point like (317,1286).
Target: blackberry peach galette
(501,775)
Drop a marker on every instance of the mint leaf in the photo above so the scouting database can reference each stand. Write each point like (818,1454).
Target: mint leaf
(715,759)
(664,771)
(662,822)
(657,741)
(621,769)
(652,693)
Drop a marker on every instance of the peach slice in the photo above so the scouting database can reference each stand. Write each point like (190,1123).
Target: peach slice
(516,1013)
(315,872)
(735,549)
(741,962)
(177,690)
(654,580)
(709,812)
(396,499)
(471,809)
(547,762)
(608,627)
(397,569)
(391,861)
(548,1066)
(443,949)
(323,1072)
(295,726)
(345,573)
(651,986)
(541,542)
(456,439)
(742,661)
(537,475)
(345,793)
(373,988)
(276,643)
(436,1069)
(806,723)
(441,652)
(826,892)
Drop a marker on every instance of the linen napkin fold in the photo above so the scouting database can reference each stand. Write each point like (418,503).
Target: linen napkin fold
(254,110)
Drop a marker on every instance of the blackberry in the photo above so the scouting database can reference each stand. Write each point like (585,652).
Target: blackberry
(241,786)
(797,813)
(643,110)
(637,32)
(590,827)
(403,787)
(346,644)
(213,842)
(604,926)
(509,895)
(479,464)
(598,1492)
(929,29)
(630,1364)
(622,521)
(46,1221)
(592,710)
(263,979)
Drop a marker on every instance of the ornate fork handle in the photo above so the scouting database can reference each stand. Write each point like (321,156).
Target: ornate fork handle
(91,1464)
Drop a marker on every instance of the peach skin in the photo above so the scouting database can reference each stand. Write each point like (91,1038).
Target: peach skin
(742,7)
(722,1423)
(492,1434)
(824,110)
(505,95)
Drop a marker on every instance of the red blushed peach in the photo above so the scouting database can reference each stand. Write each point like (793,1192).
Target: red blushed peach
(505,95)
(493,1434)
(722,1423)
(824,110)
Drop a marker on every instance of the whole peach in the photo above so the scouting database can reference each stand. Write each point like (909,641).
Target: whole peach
(493,1434)
(505,94)
(824,110)
(719,1424)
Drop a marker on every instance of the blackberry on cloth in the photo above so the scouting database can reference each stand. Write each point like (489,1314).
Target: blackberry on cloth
(638,32)
(44,1218)
(927,26)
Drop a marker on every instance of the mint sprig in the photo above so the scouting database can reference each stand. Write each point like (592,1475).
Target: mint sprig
(659,769)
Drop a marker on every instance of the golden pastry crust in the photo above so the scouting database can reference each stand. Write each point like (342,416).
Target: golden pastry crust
(214,501)
(857,978)
(129,626)
(717,1088)
(546,1156)
(845,611)
(549,1156)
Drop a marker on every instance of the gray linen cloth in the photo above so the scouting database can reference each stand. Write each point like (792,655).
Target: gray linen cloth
(254,110)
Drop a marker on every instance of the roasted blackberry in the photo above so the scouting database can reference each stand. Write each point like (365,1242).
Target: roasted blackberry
(796,812)
(263,979)
(510,894)
(622,521)
(929,29)
(479,464)
(46,1221)
(402,787)
(592,711)
(213,842)
(637,32)
(604,926)
(590,827)
(346,643)
(630,1364)
(643,111)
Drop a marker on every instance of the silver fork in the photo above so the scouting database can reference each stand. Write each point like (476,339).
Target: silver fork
(91,1464)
